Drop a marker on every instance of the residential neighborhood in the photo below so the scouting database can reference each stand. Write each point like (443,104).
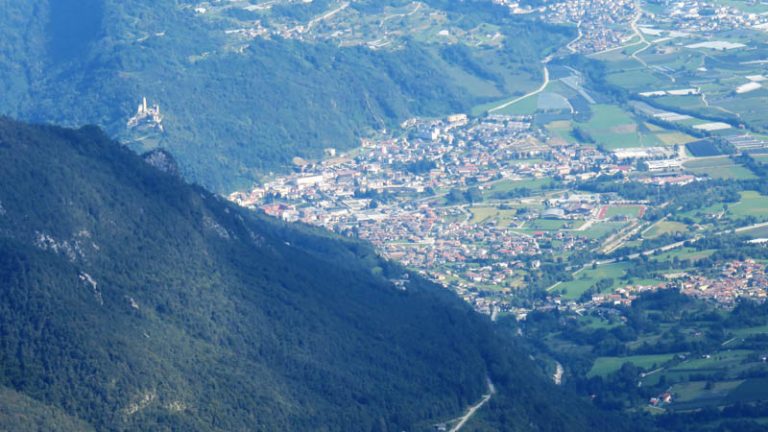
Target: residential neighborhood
(473,203)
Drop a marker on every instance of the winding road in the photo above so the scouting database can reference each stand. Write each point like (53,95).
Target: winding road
(643,40)
(533,93)
(474,408)
(325,16)
(580,35)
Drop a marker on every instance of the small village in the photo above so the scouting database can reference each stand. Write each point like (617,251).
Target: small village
(605,25)
(343,24)
(736,279)
(708,16)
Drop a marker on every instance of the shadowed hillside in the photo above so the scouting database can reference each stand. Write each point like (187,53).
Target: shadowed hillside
(132,301)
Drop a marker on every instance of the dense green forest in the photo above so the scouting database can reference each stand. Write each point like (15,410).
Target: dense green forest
(233,114)
(132,301)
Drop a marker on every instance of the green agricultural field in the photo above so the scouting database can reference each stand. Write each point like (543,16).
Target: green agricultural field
(696,395)
(638,80)
(750,390)
(726,364)
(509,185)
(620,61)
(751,204)
(719,360)
(577,224)
(684,254)
(719,168)
(679,61)
(587,278)
(483,214)
(547,225)
(750,106)
(615,128)
(749,331)
(665,227)
(506,217)
(608,116)
(675,138)
(526,106)
(475,84)
(591,322)
(601,229)
(617,54)
(606,365)
(682,102)
(693,122)
(561,130)
(708,162)
(758,233)
(553,102)
(628,211)
(697,391)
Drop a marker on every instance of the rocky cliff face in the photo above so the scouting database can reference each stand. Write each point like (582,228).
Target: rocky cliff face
(163,161)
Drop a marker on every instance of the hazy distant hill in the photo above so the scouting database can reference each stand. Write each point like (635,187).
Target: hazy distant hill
(236,108)
(131,301)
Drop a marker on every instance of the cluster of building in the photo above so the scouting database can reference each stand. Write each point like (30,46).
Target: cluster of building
(737,279)
(250,29)
(653,159)
(603,24)
(708,16)
(515,7)
(622,296)
(661,400)
(147,116)
(432,157)
(674,180)
(747,142)
(346,26)
(395,194)
(607,24)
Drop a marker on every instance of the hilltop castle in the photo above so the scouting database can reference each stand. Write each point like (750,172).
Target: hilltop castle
(147,115)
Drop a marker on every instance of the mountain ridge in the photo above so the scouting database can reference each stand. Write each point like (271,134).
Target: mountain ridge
(132,300)
(80,258)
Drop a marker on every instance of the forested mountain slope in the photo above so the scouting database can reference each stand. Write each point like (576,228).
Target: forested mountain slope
(132,301)
(235,105)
